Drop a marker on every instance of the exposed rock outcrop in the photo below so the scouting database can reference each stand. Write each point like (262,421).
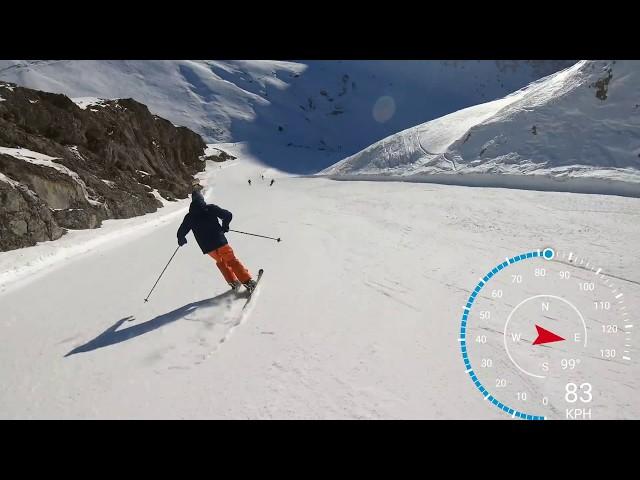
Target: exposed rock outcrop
(70,166)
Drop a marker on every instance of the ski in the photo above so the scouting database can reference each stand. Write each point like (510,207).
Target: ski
(260,272)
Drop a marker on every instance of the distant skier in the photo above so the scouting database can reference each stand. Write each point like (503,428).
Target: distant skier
(272,180)
(249,182)
(262,176)
(203,220)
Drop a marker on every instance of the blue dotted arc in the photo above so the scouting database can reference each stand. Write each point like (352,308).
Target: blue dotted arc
(547,254)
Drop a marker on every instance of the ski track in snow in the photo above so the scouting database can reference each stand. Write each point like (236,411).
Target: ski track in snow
(357,316)
(559,133)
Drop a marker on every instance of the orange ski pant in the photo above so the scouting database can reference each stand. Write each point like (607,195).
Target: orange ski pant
(229,265)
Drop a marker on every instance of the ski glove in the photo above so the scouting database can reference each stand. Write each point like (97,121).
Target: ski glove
(225,228)
(182,241)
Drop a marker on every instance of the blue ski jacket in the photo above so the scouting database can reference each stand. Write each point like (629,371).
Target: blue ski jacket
(202,219)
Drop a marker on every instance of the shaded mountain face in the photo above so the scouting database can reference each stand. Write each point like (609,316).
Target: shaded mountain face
(68,166)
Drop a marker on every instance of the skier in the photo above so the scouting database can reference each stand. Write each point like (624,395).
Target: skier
(272,180)
(262,176)
(249,182)
(203,220)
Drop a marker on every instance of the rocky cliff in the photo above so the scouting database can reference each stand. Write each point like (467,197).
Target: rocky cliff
(71,165)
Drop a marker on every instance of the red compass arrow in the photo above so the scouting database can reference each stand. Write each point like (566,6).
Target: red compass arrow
(545,336)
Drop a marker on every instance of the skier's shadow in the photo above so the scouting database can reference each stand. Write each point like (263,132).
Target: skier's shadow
(112,335)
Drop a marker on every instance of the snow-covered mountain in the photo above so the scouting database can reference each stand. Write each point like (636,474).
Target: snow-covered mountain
(322,110)
(576,130)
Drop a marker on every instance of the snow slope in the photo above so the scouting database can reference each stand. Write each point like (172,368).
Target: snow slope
(334,108)
(576,130)
(357,315)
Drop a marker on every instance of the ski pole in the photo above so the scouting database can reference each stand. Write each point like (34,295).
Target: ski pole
(256,235)
(154,285)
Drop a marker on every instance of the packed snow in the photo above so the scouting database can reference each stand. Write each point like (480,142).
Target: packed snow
(357,315)
(25,264)
(36,158)
(84,102)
